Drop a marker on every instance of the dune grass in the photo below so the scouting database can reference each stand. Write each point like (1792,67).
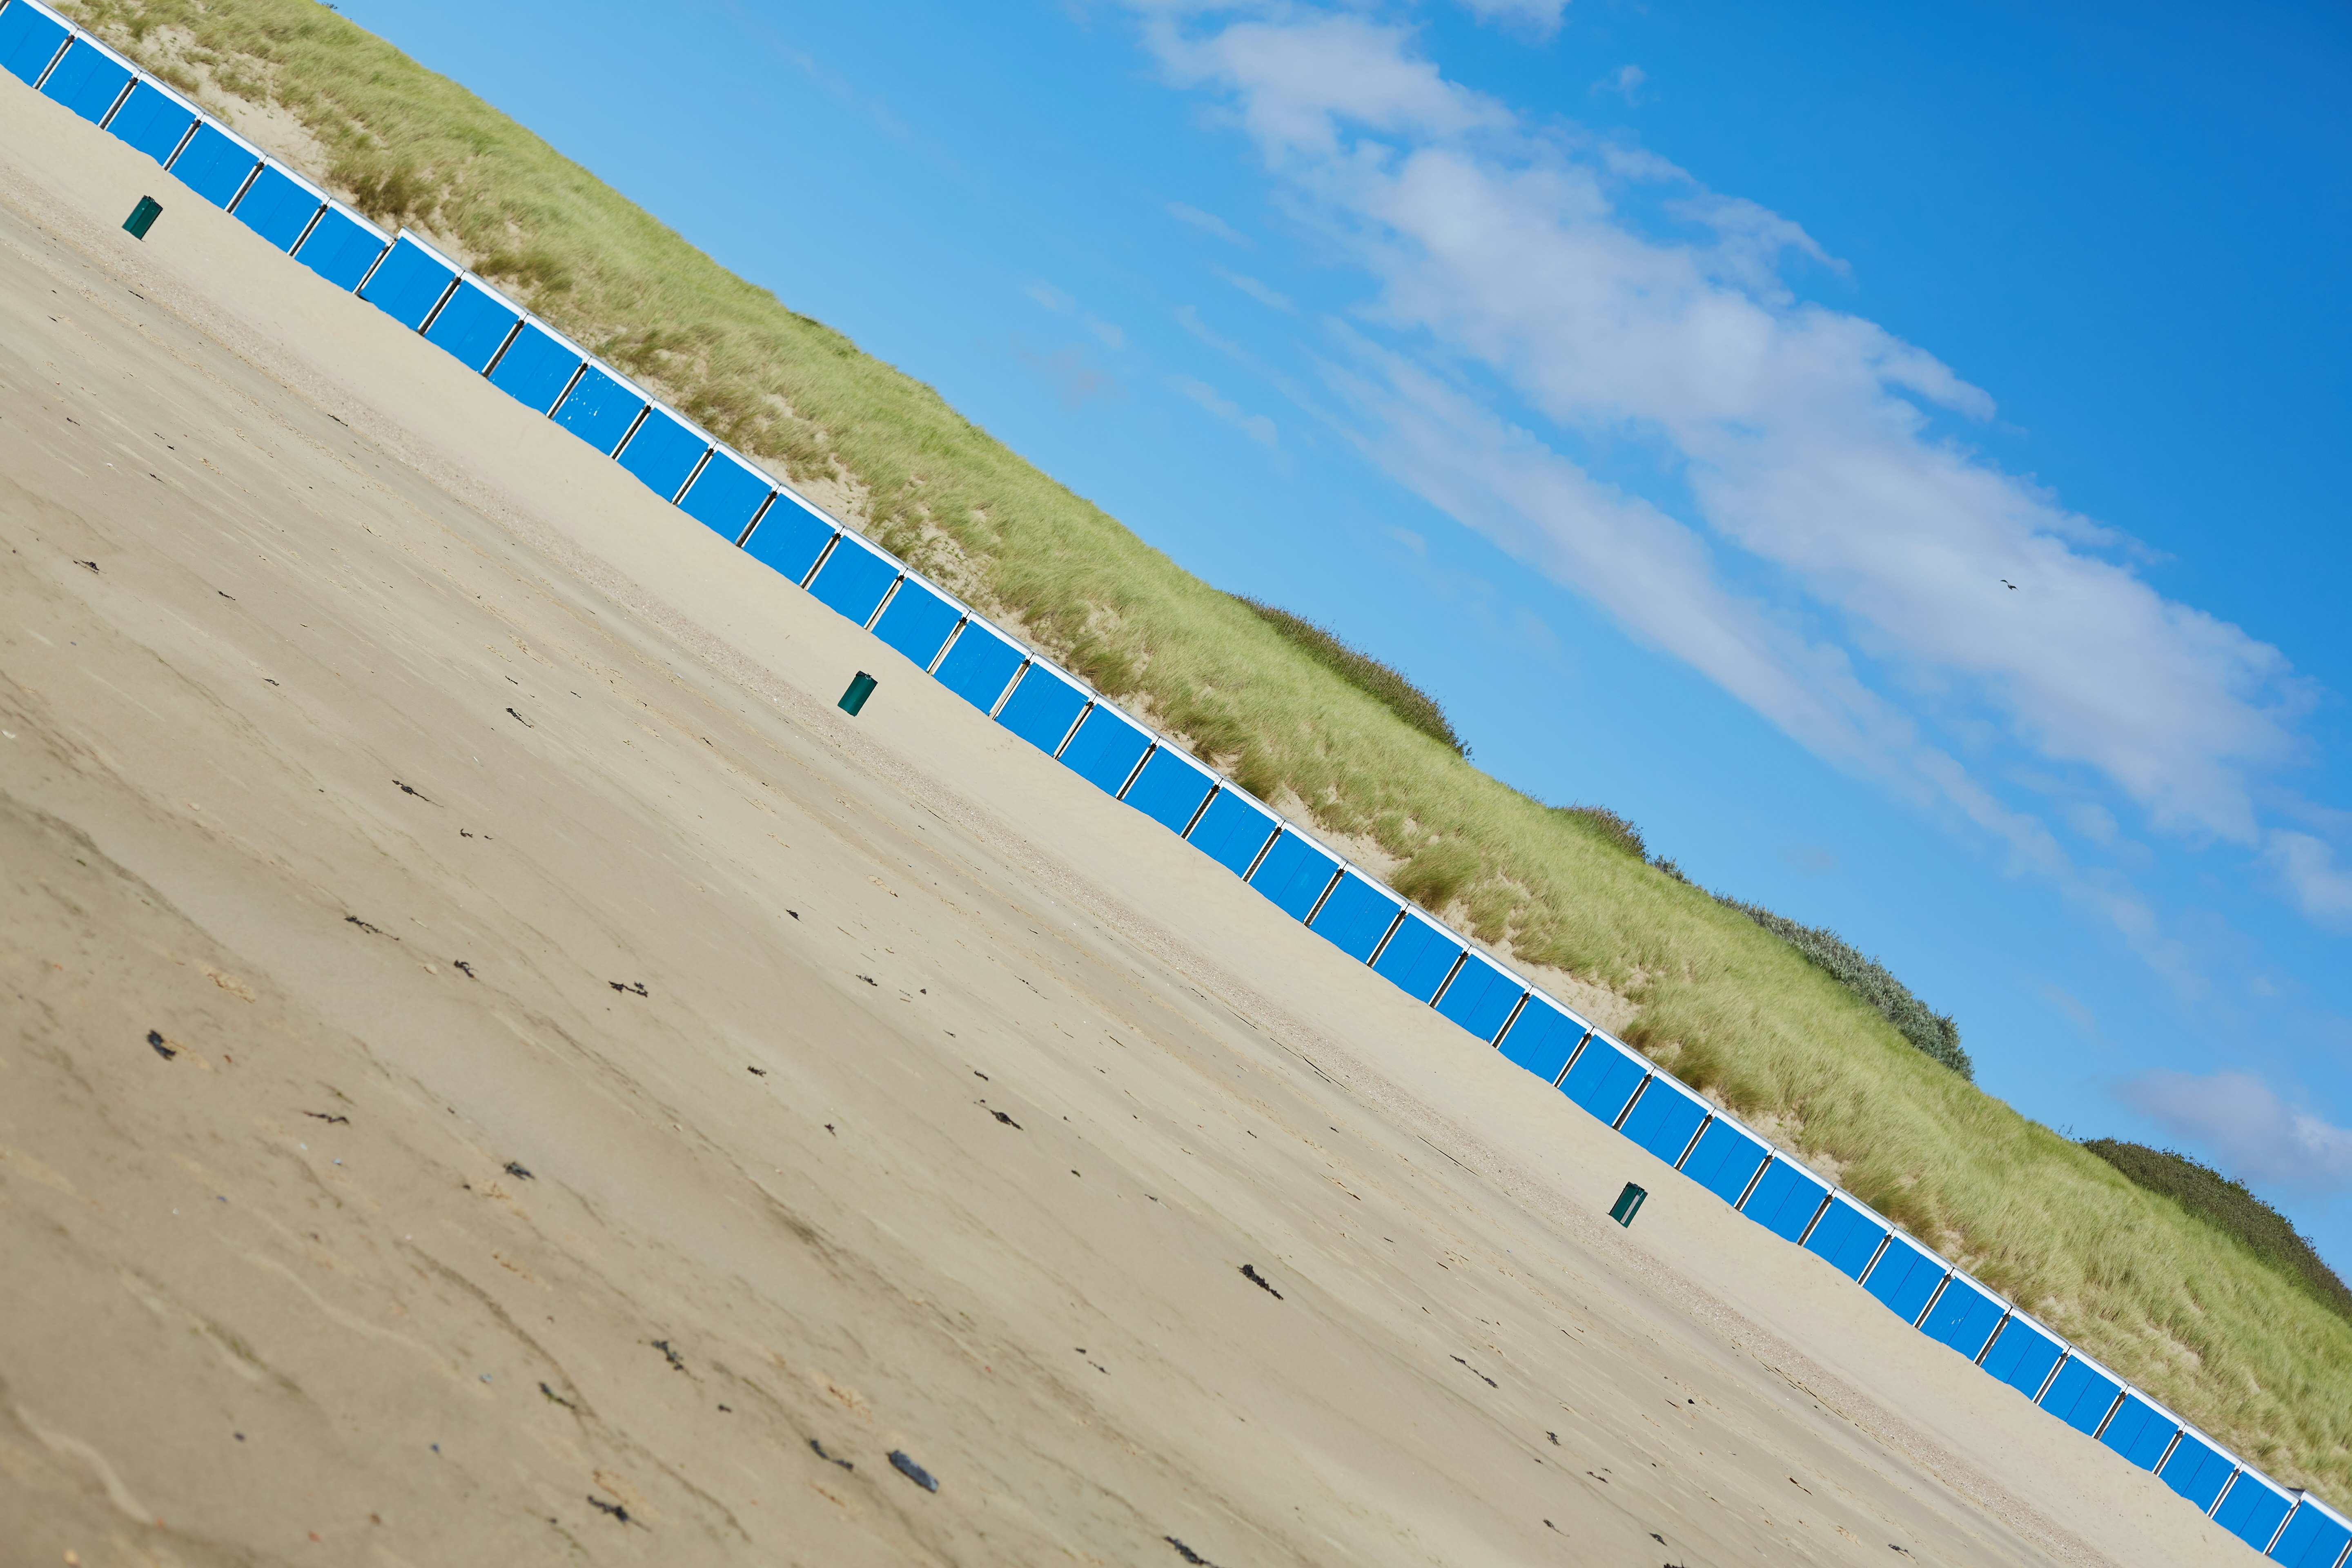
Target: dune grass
(1383,683)
(2179,1307)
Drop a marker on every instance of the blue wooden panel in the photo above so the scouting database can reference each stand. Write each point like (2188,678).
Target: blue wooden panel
(1042,708)
(342,248)
(1725,1161)
(1847,1238)
(1906,1277)
(536,368)
(1296,872)
(2312,1540)
(976,668)
(2079,1395)
(1106,748)
(2197,1471)
(726,497)
(1419,957)
(1482,996)
(1356,916)
(1965,1317)
(278,207)
(663,453)
(2139,1432)
(87,80)
(601,406)
(1543,1038)
(2022,1355)
(1785,1198)
(214,164)
(472,325)
(1233,830)
(408,284)
(1170,789)
(153,121)
(28,42)
(2252,1510)
(1604,1078)
(916,622)
(854,578)
(1664,1119)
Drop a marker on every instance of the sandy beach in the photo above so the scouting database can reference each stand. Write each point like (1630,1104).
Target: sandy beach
(497,1069)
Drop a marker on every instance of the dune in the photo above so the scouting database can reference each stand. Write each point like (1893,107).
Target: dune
(498,1068)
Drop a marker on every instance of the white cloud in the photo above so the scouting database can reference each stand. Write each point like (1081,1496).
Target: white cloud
(1832,553)
(1626,81)
(2253,1135)
(1271,298)
(1106,333)
(1207,223)
(2320,887)
(1256,426)
(1540,18)
(1297,81)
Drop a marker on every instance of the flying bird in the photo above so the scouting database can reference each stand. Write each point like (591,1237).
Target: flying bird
(2007,584)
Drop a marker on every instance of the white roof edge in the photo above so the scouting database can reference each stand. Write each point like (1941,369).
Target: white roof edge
(299,178)
(430,248)
(356,215)
(84,35)
(204,121)
(148,78)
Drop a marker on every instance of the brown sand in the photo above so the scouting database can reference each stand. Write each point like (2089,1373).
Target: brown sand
(944,1105)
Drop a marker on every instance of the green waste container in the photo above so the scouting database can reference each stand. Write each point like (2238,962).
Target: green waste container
(1628,1204)
(143,217)
(859,690)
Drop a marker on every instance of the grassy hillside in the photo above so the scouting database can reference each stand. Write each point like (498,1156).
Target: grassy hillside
(1727,1005)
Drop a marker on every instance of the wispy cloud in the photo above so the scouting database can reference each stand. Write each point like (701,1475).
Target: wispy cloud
(2252,1134)
(1256,426)
(2320,887)
(1539,17)
(1107,333)
(1209,223)
(1190,319)
(1626,81)
(1825,546)
(1273,299)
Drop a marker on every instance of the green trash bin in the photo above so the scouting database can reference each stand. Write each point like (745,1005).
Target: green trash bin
(143,217)
(1628,1204)
(859,690)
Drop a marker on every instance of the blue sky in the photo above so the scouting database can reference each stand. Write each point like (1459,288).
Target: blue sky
(1672,391)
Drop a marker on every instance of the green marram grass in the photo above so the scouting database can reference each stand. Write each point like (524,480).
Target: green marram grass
(2174,1304)
(1383,683)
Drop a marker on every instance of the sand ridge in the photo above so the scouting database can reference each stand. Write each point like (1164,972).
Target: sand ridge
(592,1077)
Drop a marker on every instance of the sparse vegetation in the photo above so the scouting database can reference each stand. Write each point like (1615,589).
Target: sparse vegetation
(1735,1008)
(2228,1208)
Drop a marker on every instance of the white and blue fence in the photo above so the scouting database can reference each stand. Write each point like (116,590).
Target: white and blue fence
(1059,714)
